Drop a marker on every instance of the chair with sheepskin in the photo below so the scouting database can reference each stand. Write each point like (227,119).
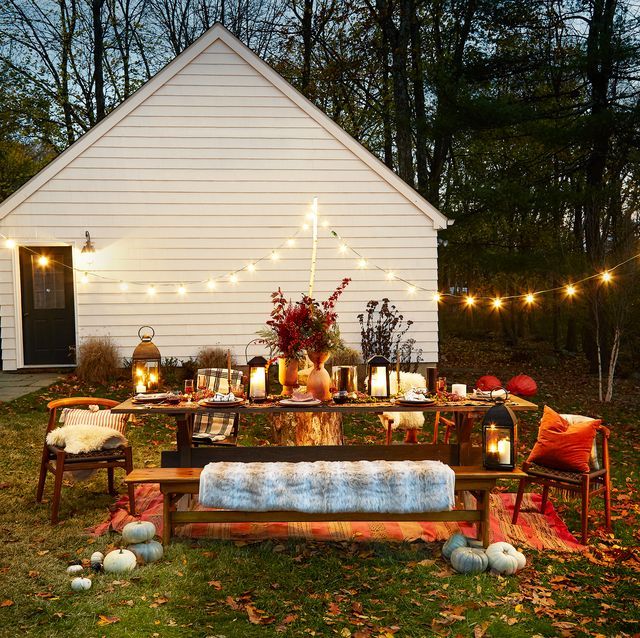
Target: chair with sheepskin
(411,422)
(90,439)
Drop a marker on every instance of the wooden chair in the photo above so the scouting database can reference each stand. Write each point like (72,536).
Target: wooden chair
(57,461)
(217,428)
(587,484)
(450,426)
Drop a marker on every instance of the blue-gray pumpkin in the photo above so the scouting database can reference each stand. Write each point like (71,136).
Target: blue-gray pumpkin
(148,552)
(455,541)
(468,560)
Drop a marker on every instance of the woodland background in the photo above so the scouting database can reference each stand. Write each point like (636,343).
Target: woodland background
(518,119)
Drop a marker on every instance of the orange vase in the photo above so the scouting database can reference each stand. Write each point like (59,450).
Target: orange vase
(287,376)
(319,381)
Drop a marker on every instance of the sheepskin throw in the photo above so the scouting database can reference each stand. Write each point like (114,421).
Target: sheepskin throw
(406,420)
(321,487)
(85,438)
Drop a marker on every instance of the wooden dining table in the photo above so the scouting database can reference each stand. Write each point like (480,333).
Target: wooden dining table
(461,452)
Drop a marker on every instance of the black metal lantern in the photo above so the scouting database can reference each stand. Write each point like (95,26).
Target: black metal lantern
(499,438)
(379,387)
(145,363)
(258,388)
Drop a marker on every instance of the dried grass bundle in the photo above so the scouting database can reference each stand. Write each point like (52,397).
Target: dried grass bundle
(98,360)
(209,357)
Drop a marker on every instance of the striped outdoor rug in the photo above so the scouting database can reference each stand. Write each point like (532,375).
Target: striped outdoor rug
(533,530)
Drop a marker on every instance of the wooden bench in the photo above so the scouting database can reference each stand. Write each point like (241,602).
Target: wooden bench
(176,482)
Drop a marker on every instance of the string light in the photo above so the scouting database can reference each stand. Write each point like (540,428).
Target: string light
(291,243)
(251,267)
(325,223)
(606,277)
(84,279)
(391,276)
(362,263)
(182,290)
(305,226)
(151,291)
(275,256)
(343,248)
(43,261)
(469,301)
(412,290)
(124,286)
(497,303)
(570,290)
(529,298)
(437,297)
(211,284)
(233,279)
(10,244)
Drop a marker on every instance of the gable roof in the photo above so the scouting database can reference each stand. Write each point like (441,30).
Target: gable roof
(219,32)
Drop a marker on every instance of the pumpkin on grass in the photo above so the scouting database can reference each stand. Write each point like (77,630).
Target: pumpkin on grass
(148,552)
(505,559)
(454,541)
(80,584)
(119,561)
(138,532)
(488,383)
(469,560)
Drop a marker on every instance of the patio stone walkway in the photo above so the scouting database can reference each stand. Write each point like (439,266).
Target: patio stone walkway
(14,385)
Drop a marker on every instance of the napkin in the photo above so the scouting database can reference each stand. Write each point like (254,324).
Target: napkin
(501,393)
(220,398)
(414,395)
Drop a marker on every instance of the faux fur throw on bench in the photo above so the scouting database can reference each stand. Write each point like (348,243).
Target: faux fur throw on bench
(329,486)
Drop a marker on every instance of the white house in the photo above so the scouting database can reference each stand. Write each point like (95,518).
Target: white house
(210,167)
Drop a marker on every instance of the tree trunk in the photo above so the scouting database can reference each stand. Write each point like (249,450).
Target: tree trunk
(306,428)
(307,46)
(98,54)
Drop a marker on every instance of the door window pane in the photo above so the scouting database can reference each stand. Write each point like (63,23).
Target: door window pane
(48,285)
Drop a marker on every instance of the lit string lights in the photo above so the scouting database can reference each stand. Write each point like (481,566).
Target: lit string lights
(362,262)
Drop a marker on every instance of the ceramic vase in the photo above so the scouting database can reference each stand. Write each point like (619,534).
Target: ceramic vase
(319,381)
(287,376)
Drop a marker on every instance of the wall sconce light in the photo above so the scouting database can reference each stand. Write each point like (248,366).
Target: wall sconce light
(88,250)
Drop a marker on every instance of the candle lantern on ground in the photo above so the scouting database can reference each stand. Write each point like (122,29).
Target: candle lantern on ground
(145,363)
(258,389)
(499,438)
(379,377)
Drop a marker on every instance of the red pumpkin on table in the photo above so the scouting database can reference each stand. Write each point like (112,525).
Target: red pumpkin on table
(522,385)
(488,383)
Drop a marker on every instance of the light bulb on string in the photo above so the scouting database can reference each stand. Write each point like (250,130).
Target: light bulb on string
(325,223)
(233,279)
(10,244)
(84,279)
(437,297)
(362,263)
(570,290)
(43,261)
(275,256)
(251,267)
(529,298)
(305,226)
(391,275)
(182,290)
(497,303)
(211,284)
(124,286)
(606,277)
(469,301)
(343,248)
(411,290)
(151,291)
(291,243)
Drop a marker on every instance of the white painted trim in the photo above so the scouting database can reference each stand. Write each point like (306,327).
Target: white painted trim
(218,32)
(17,296)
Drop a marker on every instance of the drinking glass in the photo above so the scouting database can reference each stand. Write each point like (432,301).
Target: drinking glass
(202,382)
(188,389)
(441,386)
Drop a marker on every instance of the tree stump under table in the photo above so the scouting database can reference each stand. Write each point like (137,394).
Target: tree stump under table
(306,428)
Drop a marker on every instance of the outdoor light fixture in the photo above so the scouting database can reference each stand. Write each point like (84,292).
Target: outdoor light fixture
(88,250)
(379,387)
(258,388)
(43,261)
(499,438)
(145,362)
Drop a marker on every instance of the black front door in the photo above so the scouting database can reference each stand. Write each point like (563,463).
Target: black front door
(48,317)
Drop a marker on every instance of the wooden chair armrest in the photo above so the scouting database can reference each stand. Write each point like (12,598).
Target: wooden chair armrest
(70,401)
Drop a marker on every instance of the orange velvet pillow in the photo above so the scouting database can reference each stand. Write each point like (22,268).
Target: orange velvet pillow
(563,445)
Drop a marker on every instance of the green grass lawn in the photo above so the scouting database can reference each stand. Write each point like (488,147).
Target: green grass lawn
(214,588)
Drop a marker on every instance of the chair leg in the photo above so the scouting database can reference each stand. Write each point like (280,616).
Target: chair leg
(518,504)
(545,497)
(607,501)
(57,488)
(110,481)
(436,426)
(585,508)
(43,474)
(131,488)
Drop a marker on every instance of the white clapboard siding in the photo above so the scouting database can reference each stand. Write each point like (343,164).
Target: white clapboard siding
(209,170)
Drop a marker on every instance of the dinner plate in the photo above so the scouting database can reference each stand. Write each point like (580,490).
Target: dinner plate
(208,403)
(157,397)
(416,401)
(290,403)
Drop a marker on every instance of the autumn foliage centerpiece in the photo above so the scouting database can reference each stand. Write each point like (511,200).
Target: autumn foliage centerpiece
(305,326)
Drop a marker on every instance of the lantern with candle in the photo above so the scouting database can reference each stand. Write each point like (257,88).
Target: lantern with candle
(345,379)
(258,389)
(379,387)
(499,438)
(145,362)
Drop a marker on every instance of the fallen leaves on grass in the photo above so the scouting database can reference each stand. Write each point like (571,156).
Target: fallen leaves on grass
(6,603)
(258,616)
(107,620)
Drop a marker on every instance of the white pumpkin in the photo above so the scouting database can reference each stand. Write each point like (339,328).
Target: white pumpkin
(81,584)
(73,570)
(96,557)
(138,532)
(119,561)
(148,552)
(505,558)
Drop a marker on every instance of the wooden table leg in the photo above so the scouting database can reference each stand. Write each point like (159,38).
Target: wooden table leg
(166,519)
(183,439)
